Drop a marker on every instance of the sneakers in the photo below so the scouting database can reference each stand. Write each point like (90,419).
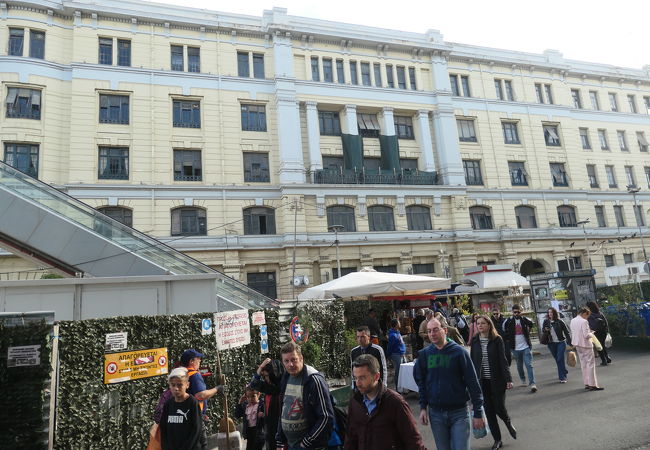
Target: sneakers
(533,388)
(563,381)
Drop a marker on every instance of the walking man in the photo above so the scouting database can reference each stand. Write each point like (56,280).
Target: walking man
(378,417)
(422,331)
(581,339)
(498,320)
(396,348)
(517,331)
(307,414)
(446,380)
(367,347)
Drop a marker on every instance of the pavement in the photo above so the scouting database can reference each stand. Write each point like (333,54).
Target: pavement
(565,416)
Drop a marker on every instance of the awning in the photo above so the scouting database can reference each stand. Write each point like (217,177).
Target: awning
(490,278)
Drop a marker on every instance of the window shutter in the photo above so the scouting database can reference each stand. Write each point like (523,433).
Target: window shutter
(176,222)
(12,94)
(551,131)
(103,101)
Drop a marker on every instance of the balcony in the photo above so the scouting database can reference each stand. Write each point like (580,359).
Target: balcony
(374,176)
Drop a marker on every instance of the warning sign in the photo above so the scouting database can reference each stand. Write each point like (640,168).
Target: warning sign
(25,355)
(127,366)
(232,329)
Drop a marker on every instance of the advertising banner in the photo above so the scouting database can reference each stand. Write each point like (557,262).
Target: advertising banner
(133,365)
(232,329)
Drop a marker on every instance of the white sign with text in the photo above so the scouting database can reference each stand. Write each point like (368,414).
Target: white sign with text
(232,329)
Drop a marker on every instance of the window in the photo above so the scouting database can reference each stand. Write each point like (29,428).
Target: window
(23,103)
(113,163)
(404,127)
(609,261)
(584,138)
(263,282)
(549,95)
(121,214)
(498,88)
(591,174)
(620,218)
(567,216)
(559,175)
(189,221)
(631,101)
(551,135)
(377,71)
(328,73)
(466,131)
(613,103)
(412,78)
(575,95)
(259,220)
(611,176)
(380,218)
(600,216)
(253,117)
(114,109)
(647,175)
(22,157)
(386,269)
(639,216)
(123,52)
(342,215)
(646,101)
(570,263)
(329,123)
(340,71)
(504,86)
(177,62)
(418,217)
(628,258)
(36,44)
(242,65)
(460,85)
(629,176)
(510,92)
(543,93)
(409,164)
(423,268)
(353,73)
(510,133)
(539,93)
(622,142)
(593,96)
(333,163)
(602,138)
(187,165)
(368,125)
(193,59)
(401,77)
(517,173)
(16,41)
(187,114)
(365,73)
(480,217)
(390,81)
(315,70)
(472,172)
(258,65)
(256,167)
(643,143)
(344,271)
(106,51)
(525,217)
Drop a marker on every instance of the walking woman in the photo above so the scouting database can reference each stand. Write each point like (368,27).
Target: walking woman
(581,339)
(598,323)
(489,358)
(559,335)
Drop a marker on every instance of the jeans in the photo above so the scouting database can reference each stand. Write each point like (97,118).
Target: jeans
(397,359)
(557,349)
(525,357)
(450,428)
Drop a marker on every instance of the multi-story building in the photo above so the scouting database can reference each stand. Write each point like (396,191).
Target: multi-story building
(242,140)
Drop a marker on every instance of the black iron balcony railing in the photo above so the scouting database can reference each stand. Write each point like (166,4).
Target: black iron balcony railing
(373,176)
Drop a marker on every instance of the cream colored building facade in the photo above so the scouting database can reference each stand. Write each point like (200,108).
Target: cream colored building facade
(236,139)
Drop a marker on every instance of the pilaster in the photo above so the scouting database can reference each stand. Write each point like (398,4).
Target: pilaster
(313,136)
(451,165)
(427,161)
(349,120)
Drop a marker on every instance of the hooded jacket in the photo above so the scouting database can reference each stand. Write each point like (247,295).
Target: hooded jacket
(396,344)
(446,378)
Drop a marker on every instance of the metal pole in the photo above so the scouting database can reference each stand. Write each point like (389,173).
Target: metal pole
(336,229)
(638,222)
(591,266)
(293,263)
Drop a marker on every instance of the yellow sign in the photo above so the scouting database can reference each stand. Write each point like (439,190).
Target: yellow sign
(561,294)
(127,366)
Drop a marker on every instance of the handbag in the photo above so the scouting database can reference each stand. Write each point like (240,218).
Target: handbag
(571,358)
(545,337)
(608,340)
(594,340)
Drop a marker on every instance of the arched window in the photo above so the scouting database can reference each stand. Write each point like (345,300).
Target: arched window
(481,217)
(525,217)
(341,215)
(259,220)
(418,217)
(380,218)
(189,221)
(566,215)
(119,213)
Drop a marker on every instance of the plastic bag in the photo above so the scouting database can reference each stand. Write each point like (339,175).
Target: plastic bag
(481,432)
(571,358)
(608,340)
(594,340)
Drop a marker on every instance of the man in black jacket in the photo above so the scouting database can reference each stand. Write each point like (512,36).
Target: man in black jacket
(517,332)
(498,320)
(367,347)
(307,414)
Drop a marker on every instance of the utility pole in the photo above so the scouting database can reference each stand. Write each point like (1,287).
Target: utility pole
(638,215)
(295,240)
(583,223)
(336,229)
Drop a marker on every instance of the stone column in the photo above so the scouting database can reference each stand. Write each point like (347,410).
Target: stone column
(313,137)
(427,161)
(349,120)
(387,122)
(451,166)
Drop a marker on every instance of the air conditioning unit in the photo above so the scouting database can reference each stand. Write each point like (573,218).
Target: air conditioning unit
(632,270)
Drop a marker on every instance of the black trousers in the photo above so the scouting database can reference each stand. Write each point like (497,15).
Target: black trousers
(495,405)
(603,353)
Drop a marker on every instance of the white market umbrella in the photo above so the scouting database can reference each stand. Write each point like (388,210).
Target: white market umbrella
(370,282)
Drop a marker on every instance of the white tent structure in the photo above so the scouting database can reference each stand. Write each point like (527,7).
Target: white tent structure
(490,279)
(370,282)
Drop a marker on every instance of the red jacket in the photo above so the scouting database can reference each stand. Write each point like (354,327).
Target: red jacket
(390,426)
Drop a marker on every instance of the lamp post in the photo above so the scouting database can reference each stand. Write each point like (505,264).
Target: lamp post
(336,229)
(637,214)
(583,223)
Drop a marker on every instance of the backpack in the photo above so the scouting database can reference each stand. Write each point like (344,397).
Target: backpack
(341,419)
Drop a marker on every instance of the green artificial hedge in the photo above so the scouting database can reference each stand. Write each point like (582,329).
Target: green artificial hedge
(24,399)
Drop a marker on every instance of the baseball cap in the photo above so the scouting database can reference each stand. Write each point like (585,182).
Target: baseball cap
(179,372)
(189,354)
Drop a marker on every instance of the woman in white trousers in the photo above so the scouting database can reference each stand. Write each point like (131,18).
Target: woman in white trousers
(581,339)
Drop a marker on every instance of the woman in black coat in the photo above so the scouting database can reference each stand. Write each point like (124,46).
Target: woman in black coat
(489,358)
(558,338)
(600,327)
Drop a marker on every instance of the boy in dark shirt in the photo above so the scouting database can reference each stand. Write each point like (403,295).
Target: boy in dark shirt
(180,423)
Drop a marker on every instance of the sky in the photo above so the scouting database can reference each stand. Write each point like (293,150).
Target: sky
(600,31)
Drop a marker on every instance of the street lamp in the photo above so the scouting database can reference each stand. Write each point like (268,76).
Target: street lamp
(583,223)
(637,214)
(336,229)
